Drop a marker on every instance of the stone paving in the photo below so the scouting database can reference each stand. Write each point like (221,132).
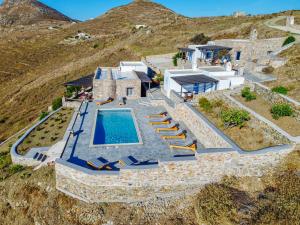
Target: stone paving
(78,149)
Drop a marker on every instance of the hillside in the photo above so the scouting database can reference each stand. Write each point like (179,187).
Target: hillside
(35,61)
(24,12)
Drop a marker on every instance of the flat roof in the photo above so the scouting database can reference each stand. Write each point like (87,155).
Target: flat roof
(101,74)
(194,79)
(178,72)
(213,69)
(214,47)
(186,49)
(133,63)
(143,77)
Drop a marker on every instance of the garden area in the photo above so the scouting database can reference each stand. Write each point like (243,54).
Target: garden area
(237,124)
(281,114)
(49,132)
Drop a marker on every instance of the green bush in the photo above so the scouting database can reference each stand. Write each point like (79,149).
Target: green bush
(234,117)
(280,90)
(43,115)
(15,168)
(177,56)
(200,39)
(281,110)
(57,103)
(289,40)
(5,160)
(70,90)
(248,94)
(95,46)
(205,104)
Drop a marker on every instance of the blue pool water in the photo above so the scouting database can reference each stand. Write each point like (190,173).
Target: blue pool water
(115,127)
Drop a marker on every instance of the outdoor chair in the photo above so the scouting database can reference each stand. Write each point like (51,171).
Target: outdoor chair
(128,161)
(158,115)
(164,120)
(180,134)
(169,127)
(99,164)
(105,102)
(190,145)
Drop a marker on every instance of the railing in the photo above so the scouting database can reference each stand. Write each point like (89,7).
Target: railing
(71,131)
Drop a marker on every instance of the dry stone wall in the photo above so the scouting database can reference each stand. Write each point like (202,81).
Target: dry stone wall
(170,178)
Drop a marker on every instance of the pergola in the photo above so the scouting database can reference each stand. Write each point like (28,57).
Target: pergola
(195,80)
(84,82)
(144,78)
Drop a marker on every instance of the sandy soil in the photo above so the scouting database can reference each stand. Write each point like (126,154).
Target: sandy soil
(261,106)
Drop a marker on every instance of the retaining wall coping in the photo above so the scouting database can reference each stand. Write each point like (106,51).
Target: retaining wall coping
(141,167)
(263,119)
(14,153)
(179,159)
(215,150)
(293,101)
(85,170)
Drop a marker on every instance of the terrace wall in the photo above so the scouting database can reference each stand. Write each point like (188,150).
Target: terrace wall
(168,179)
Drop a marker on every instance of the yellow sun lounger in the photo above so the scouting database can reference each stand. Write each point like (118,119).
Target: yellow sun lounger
(158,121)
(170,127)
(99,164)
(159,115)
(177,135)
(105,102)
(189,146)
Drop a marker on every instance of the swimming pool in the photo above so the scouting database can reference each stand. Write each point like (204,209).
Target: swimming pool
(115,127)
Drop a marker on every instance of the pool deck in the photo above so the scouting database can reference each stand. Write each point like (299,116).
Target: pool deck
(79,150)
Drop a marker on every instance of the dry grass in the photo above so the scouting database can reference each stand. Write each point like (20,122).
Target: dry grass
(273,199)
(290,124)
(34,64)
(251,137)
(49,132)
(288,75)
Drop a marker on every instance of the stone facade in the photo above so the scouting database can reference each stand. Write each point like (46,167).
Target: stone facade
(252,50)
(170,178)
(122,85)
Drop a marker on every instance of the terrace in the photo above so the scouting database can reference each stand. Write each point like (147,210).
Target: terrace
(79,148)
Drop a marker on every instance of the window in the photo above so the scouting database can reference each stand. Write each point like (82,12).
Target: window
(238,55)
(209,55)
(129,91)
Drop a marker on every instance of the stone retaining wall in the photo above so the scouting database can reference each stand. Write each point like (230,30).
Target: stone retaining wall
(169,178)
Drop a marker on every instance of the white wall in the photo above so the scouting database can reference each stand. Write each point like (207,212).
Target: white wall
(139,67)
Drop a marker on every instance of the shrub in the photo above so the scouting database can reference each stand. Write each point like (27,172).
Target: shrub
(200,39)
(289,40)
(280,90)
(15,168)
(205,104)
(43,115)
(57,103)
(95,46)
(268,70)
(281,110)
(5,160)
(248,94)
(234,117)
(175,58)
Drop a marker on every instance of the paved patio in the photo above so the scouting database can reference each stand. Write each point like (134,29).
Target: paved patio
(78,149)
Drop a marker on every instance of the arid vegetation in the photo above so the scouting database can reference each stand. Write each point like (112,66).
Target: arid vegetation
(237,124)
(49,132)
(35,61)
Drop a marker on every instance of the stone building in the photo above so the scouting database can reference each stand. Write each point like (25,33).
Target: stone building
(130,80)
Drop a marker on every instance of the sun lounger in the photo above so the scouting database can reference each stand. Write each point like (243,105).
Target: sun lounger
(180,134)
(104,102)
(36,155)
(190,145)
(158,115)
(44,158)
(169,127)
(99,164)
(128,161)
(164,120)
(40,157)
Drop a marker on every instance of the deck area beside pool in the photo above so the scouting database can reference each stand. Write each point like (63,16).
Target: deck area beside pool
(79,148)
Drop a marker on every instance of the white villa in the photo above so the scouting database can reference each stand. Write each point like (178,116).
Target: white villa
(201,80)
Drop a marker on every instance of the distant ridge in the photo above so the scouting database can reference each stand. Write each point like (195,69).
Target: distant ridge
(25,12)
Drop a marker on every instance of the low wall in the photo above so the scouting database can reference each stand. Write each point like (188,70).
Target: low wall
(168,179)
(23,160)
(269,96)
(208,135)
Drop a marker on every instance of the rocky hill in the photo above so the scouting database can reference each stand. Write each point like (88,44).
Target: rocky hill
(35,61)
(24,12)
